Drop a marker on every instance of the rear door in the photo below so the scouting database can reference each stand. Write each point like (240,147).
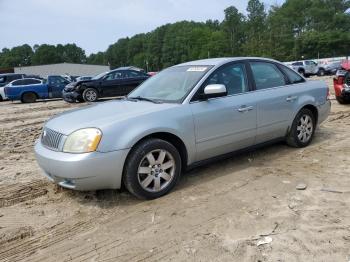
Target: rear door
(276,98)
(133,79)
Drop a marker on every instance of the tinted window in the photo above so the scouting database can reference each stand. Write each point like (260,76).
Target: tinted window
(232,76)
(298,64)
(31,81)
(292,75)
(57,80)
(18,83)
(114,75)
(267,75)
(132,74)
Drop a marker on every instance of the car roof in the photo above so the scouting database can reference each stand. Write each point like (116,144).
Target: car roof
(128,68)
(10,74)
(221,61)
(26,79)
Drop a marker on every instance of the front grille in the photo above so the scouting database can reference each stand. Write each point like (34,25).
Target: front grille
(51,139)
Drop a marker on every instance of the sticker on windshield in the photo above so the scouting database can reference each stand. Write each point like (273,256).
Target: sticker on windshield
(197,69)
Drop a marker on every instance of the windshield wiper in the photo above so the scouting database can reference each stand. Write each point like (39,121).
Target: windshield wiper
(140,98)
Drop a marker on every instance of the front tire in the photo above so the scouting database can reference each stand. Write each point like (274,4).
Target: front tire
(302,130)
(152,169)
(90,95)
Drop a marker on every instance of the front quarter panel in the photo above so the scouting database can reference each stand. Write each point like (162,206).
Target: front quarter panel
(176,120)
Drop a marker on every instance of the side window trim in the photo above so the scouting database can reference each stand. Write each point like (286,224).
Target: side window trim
(268,62)
(286,76)
(249,84)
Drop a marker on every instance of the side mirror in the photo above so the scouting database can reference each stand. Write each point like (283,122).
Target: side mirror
(212,91)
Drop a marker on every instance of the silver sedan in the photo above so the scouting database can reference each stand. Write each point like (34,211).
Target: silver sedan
(180,118)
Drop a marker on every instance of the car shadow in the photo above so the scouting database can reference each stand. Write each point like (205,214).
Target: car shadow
(233,166)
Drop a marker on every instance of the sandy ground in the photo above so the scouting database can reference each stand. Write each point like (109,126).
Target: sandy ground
(217,213)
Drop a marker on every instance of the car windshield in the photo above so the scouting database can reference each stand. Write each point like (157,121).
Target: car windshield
(171,85)
(99,76)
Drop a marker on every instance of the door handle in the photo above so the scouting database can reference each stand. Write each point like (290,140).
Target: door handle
(291,98)
(243,109)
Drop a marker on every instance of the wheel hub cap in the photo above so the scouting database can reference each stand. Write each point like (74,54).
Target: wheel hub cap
(305,128)
(156,170)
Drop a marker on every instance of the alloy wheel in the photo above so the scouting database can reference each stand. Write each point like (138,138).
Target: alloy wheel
(305,128)
(91,95)
(156,170)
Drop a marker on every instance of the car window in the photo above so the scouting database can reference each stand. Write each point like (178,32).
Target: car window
(2,79)
(57,80)
(292,75)
(298,64)
(31,81)
(132,74)
(267,75)
(18,83)
(171,85)
(113,76)
(233,76)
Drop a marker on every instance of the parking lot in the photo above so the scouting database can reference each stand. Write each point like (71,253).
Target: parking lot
(218,212)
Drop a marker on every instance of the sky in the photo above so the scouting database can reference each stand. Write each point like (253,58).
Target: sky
(96,24)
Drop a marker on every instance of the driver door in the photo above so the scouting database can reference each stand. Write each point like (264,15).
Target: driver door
(228,123)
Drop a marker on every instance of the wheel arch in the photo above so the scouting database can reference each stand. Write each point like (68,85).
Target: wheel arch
(29,92)
(170,138)
(313,109)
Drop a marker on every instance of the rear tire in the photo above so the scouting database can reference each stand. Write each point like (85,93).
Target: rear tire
(90,95)
(1,99)
(29,97)
(152,169)
(321,72)
(302,130)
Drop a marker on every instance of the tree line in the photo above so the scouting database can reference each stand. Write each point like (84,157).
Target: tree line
(295,30)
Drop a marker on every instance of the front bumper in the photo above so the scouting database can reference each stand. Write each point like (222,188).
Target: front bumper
(84,172)
(70,96)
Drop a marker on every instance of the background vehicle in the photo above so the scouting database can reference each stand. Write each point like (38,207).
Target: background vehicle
(308,68)
(331,68)
(7,78)
(29,90)
(342,86)
(118,82)
(181,117)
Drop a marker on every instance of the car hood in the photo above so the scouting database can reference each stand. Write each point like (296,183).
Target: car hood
(103,115)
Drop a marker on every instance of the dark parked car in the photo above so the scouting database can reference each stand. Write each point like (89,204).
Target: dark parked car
(7,78)
(118,82)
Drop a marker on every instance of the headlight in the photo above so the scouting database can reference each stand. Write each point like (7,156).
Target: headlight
(83,141)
